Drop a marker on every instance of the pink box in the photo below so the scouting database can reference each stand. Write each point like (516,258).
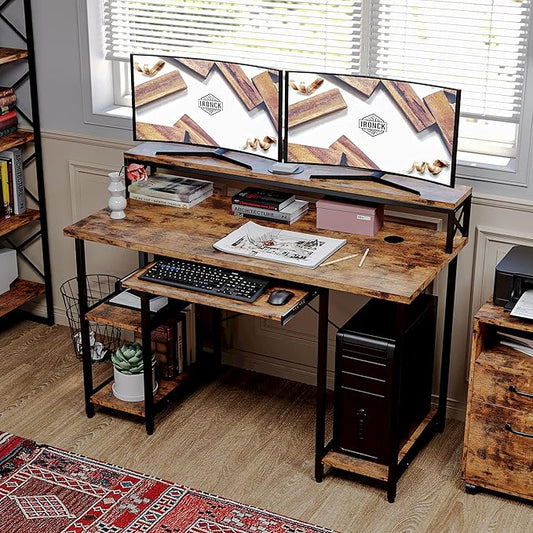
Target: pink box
(348,217)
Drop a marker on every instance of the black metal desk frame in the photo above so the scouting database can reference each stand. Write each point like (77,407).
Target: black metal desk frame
(457,222)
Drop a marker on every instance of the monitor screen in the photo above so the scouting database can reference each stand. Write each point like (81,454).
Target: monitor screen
(384,125)
(206,103)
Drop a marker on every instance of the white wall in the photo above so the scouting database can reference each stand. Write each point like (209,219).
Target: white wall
(78,155)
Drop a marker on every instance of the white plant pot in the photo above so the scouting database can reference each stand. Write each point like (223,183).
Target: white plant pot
(130,387)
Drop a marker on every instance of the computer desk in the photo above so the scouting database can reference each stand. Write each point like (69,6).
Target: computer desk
(398,272)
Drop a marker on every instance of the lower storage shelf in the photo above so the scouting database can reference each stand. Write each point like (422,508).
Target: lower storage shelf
(372,469)
(105,398)
(21,291)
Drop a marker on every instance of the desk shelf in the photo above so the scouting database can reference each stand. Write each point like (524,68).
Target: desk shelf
(124,318)
(260,308)
(129,319)
(455,202)
(374,470)
(105,398)
(212,219)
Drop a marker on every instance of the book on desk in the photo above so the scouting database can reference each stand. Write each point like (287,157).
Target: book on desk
(282,246)
(168,189)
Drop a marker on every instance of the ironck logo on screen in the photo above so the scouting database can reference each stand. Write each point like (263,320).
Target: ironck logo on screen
(210,104)
(373,125)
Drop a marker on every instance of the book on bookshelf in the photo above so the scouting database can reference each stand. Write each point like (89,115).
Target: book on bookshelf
(263,198)
(7,118)
(6,91)
(169,201)
(2,208)
(7,192)
(6,108)
(170,187)
(7,131)
(293,212)
(8,101)
(16,174)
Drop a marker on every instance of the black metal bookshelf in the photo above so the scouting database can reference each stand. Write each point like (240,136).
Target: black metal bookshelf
(17,50)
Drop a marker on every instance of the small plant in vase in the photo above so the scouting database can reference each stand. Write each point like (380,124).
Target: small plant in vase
(128,370)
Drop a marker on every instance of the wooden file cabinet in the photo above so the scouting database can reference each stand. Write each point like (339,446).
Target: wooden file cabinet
(498,447)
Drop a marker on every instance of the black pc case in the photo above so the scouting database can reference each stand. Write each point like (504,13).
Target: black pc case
(383,377)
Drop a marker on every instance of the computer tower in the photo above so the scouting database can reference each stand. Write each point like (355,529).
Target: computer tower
(383,377)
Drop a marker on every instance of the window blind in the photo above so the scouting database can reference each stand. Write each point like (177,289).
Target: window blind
(304,34)
(475,45)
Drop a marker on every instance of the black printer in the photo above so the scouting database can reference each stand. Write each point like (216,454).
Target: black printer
(514,276)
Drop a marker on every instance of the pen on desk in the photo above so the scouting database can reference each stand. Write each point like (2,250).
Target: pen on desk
(339,260)
(364,257)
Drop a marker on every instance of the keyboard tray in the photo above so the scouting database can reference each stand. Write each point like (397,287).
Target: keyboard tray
(260,308)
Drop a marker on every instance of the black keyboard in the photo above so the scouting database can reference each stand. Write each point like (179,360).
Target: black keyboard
(204,278)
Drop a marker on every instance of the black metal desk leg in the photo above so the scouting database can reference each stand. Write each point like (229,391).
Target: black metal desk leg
(143,259)
(217,338)
(81,276)
(321,370)
(393,377)
(446,346)
(149,414)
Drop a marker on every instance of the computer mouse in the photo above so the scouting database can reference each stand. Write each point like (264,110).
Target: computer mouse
(280,297)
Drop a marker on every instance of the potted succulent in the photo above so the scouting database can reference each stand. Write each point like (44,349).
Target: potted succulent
(129,372)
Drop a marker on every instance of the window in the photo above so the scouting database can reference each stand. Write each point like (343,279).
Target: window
(477,45)
(279,33)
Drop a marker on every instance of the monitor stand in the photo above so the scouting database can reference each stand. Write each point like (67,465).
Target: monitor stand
(218,153)
(375,177)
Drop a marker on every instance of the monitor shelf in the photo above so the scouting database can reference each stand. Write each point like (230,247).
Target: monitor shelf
(335,180)
(454,202)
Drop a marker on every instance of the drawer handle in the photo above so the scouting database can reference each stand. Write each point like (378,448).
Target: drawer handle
(512,388)
(508,427)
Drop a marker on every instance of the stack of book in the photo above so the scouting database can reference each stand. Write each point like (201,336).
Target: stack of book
(12,193)
(8,114)
(263,204)
(167,189)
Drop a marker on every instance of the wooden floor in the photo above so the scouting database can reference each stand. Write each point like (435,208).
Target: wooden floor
(246,437)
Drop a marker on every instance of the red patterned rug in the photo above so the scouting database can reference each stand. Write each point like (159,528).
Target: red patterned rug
(44,489)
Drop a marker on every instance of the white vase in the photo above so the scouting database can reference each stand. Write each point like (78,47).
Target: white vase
(130,387)
(117,200)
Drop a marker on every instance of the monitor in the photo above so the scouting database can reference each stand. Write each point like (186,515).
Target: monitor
(206,104)
(382,125)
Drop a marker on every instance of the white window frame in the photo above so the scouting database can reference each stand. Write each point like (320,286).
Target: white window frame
(101,93)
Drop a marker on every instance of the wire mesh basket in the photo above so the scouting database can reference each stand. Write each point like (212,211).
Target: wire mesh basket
(104,339)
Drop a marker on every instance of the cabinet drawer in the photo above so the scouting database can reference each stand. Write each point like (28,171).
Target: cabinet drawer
(498,369)
(495,457)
